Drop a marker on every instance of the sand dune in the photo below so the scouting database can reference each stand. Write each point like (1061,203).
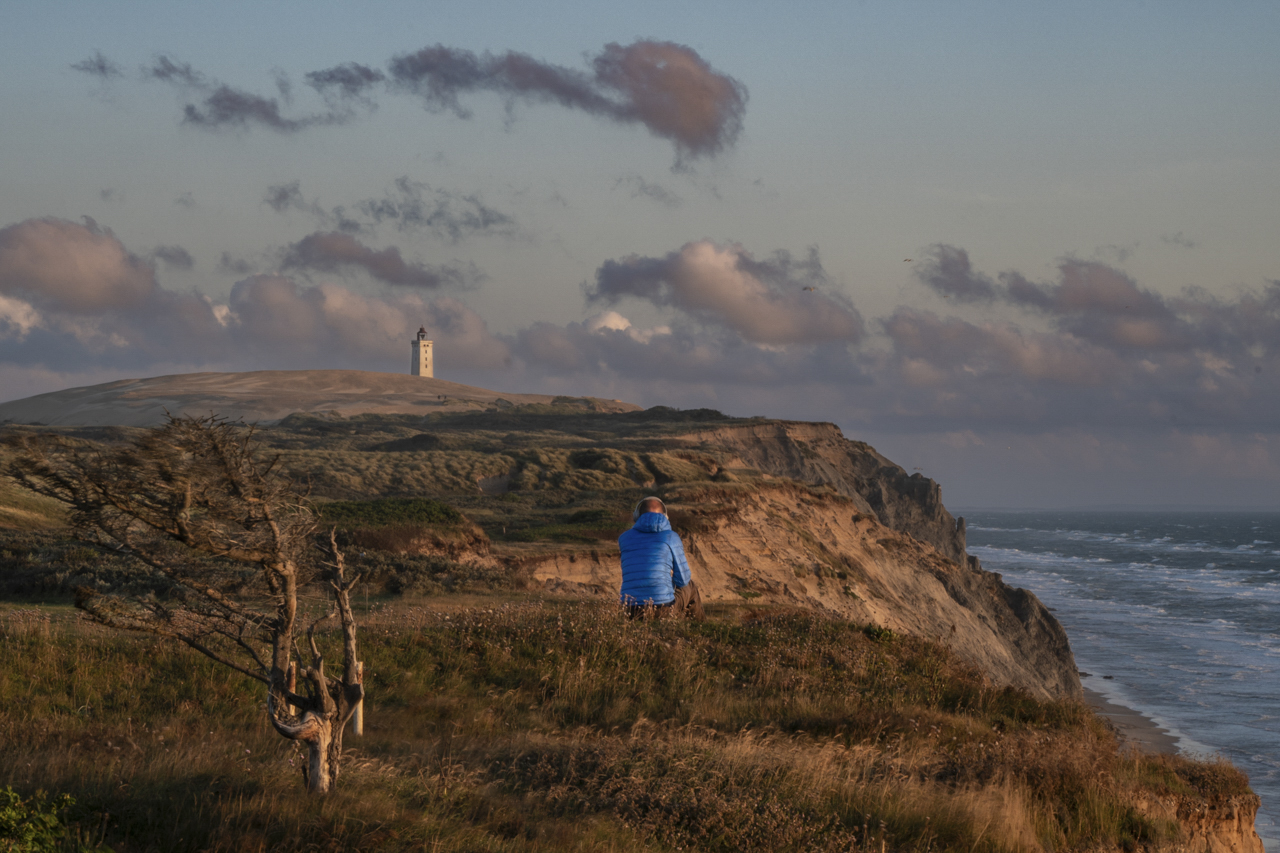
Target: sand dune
(261,395)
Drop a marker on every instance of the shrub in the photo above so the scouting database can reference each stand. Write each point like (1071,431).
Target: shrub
(36,825)
(385,512)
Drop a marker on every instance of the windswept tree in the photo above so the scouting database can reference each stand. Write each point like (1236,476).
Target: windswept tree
(230,543)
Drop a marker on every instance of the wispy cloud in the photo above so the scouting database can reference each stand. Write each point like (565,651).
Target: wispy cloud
(409,205)
(337,252)
(175,257)
(640,188)
(222,106)
(98,66)
(666,87)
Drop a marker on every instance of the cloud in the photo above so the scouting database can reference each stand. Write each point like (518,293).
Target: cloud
(947,270)
(1096,349)
(776,301)
(335,252)
(1091,300)
(351,81)
(228,264)
(642,188)
(224,106)
(228,107)
(72,295)
(98,66)
(273,317)
(666,87)
(282,197)
(174,256)
(608,346)
(168,70)
(418,206)
(941,351)
(70,267)
(411,206)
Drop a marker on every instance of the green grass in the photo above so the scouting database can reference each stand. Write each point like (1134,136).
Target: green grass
(507,725)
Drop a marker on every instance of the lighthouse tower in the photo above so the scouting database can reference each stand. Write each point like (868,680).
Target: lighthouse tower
(422,365)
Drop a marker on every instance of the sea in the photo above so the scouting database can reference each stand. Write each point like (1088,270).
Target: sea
(1173,614)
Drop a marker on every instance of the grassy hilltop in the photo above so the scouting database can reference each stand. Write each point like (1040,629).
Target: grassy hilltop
(503,718)
(507,725)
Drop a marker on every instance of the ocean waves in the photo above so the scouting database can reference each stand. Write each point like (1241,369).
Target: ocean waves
(1179,610)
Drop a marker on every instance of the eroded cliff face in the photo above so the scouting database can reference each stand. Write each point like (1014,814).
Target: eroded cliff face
(1219,825)
(819,454)
(787,544)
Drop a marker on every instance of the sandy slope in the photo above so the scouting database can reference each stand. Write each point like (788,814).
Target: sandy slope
(778,546)
(260,395)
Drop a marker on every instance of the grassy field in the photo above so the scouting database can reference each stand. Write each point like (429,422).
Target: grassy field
(501,723)
(500,720)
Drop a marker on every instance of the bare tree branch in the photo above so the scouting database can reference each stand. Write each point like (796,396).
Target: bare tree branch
(194,502)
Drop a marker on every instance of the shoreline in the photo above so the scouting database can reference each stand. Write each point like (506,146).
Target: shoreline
(1133,727)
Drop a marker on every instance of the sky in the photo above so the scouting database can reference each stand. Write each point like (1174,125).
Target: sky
(1029,250)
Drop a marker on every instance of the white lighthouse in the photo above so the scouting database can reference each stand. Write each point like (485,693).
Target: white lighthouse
(421,365)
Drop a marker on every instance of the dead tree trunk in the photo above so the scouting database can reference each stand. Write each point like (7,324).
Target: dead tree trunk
(323,713)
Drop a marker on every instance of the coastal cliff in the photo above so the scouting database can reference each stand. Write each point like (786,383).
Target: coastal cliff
(788,545)
(775,511)
(819,454)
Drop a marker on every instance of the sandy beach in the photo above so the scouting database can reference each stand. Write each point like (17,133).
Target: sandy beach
(1133,727)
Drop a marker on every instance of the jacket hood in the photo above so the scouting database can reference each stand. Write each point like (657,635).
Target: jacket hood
(652,522)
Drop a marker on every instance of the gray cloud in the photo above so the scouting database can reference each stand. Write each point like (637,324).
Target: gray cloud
(351,81)
(224,106)
(169,70)
(282,197)
(1107,352)
(948,271)
(174,256)
(98,66)
(334,252)
(70,267)
(228,264)
(664,86)
(228,107)
(72,295)
(608,346)
(411,206)
(1090,300)
(656,192)
(415,205)
(273,316)
(775,301)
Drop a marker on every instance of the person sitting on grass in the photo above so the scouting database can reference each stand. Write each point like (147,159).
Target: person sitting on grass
(655,572)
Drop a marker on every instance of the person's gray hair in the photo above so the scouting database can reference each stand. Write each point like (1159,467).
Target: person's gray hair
(636,513)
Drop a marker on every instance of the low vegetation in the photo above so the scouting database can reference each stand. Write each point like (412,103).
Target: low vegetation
(498,719)
(509,724)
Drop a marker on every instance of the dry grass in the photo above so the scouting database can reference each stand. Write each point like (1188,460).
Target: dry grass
(500,725)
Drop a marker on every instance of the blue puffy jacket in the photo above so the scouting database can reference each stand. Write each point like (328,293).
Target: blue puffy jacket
(653,561)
